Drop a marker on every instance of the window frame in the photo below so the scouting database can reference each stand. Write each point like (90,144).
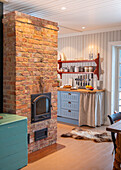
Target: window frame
(119,78)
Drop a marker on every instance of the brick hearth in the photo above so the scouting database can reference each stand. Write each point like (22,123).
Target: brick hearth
(30,52)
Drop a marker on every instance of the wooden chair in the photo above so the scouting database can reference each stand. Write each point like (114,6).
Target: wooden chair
(113,118)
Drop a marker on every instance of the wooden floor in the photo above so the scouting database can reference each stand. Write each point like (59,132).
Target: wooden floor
(71,154)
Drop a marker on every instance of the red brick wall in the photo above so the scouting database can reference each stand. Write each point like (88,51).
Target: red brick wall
(30,52)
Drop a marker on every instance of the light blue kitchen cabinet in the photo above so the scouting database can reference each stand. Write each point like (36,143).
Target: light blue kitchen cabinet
(68,107)
(13,142)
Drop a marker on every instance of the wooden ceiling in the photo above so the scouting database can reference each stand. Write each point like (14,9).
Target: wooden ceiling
(92,14)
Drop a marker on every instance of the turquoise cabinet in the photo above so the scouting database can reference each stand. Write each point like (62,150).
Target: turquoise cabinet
(68,107)
(13,142)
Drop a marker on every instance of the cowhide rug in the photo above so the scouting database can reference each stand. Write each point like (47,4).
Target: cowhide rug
(78,133)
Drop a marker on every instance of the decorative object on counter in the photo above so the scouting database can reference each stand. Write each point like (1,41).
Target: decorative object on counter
(88,87)
(78,133)
(67,86)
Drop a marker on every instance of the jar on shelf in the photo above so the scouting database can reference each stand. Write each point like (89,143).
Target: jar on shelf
(72,68)
(90,69)
(86,69)
(81,69)
(76,69)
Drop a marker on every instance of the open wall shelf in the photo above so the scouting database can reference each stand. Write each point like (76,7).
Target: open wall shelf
(96,71)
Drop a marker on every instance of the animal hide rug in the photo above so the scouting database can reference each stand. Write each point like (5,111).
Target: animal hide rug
(88,135)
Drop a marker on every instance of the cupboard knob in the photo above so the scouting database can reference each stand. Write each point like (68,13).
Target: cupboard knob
(69,102)
(69,93)
(69,110)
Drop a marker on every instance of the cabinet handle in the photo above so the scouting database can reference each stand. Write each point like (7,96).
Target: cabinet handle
(69,102)
(69,93)
(69,110)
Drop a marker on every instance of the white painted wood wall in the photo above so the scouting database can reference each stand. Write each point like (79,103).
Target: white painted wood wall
(77,47)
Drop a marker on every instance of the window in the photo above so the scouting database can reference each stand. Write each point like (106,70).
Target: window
(119,81)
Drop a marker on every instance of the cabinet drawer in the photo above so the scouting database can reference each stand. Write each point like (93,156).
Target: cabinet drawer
(13,128)
(14,161)
(13,140)
(8,150)
(69,105)
(69,113)
(70,96)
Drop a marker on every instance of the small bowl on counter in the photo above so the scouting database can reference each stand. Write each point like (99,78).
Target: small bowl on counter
(73,88)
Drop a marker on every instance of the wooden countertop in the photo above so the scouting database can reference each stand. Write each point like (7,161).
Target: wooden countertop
(116,127)
(80,90)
